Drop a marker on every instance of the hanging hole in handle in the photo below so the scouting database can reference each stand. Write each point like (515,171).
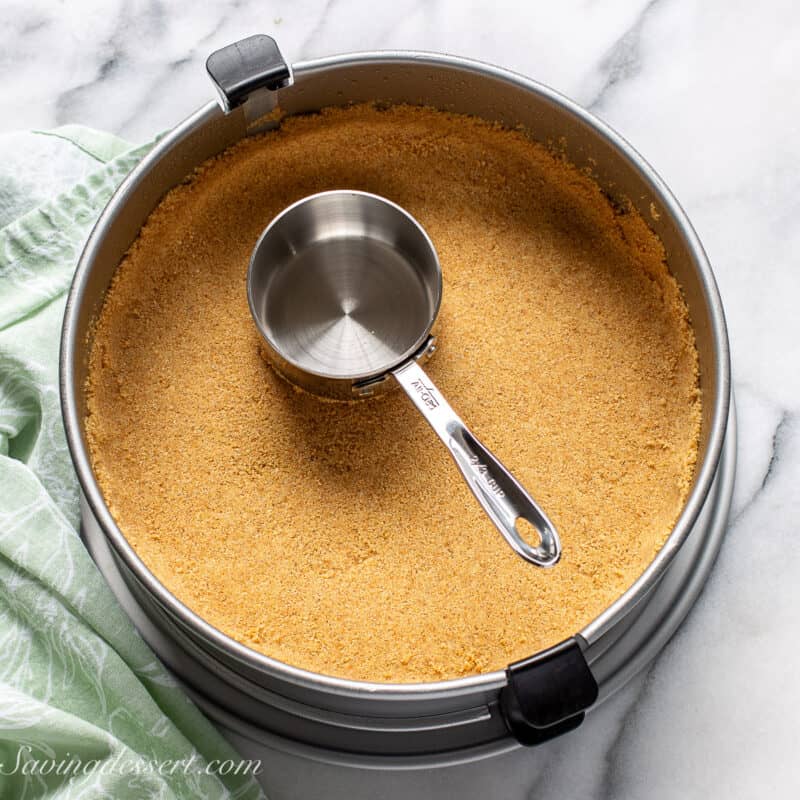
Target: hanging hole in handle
(528,531)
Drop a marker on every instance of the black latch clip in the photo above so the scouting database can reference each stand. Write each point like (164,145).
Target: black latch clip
(241,68)
(547,694)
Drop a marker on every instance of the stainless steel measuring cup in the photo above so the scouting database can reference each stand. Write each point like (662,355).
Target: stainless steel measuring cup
(344,287)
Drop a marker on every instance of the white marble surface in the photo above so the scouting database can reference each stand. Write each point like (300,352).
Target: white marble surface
(708,92)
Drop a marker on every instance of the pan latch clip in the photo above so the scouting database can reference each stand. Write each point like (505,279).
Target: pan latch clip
(247,68)
(547,694)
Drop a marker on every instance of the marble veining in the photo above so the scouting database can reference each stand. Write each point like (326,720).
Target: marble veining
(708,93)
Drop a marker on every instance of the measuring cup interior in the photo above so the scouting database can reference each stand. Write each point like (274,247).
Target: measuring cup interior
(345,285)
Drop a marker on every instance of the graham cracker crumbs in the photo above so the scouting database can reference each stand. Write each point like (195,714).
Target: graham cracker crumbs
(340,537)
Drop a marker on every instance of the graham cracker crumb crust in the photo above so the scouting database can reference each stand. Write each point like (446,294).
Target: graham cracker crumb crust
(340,537)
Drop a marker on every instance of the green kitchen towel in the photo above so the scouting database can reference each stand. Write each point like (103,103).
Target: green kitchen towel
(86,710)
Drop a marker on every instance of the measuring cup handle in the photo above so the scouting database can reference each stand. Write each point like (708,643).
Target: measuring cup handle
(499,493)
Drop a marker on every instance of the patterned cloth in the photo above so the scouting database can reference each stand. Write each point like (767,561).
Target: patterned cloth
(86,710)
